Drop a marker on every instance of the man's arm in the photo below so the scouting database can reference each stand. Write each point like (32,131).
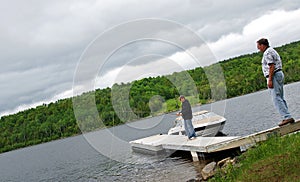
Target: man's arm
(271,73)
(184,109)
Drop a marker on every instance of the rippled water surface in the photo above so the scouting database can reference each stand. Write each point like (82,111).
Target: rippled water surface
(105,155)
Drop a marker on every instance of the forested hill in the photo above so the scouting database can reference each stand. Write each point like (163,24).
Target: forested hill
(47,122)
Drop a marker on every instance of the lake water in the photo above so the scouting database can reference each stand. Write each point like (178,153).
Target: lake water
(105,155)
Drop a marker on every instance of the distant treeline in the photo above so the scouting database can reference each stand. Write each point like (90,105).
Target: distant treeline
(142,98)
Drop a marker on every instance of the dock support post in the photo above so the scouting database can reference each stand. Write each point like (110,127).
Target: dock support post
(194,156)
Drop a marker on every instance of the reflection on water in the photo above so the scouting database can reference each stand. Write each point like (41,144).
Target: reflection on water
(88,157)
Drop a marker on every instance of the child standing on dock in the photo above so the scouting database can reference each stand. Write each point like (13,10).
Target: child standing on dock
(186,113)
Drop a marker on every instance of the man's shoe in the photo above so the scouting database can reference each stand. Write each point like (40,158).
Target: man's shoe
(286,121)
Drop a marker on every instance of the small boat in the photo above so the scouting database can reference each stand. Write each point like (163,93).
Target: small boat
(207,124)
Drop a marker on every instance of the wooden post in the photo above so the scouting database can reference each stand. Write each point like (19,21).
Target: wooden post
(194,156)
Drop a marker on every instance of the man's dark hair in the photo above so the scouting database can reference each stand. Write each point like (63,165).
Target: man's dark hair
(263,41)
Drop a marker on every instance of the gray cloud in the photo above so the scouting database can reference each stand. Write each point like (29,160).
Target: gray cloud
(41,41)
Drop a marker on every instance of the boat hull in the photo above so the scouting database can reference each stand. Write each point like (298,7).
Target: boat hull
(209,125)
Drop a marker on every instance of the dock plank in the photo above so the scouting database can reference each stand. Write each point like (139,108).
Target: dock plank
(210,144)
(250,140)
(177,142)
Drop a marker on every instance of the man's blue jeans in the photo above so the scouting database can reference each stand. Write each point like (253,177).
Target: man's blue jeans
(189,129)
(278,96)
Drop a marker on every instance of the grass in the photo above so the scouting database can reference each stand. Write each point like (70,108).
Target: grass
(276,159)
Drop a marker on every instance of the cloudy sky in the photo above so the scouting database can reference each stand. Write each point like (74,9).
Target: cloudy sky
(43,43)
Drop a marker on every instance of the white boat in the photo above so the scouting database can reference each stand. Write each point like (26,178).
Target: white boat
(206,124)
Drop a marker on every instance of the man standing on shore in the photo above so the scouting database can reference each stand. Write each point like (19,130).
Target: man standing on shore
(187,115)
(272,70)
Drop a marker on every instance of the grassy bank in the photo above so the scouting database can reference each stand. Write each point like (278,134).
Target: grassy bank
(276,159)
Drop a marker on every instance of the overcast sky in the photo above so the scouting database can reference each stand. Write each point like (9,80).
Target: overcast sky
(43,42)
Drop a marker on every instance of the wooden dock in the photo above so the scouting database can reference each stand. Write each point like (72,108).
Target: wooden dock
(158,143)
